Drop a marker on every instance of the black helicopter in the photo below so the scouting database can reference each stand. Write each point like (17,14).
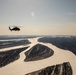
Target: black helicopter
(14,28)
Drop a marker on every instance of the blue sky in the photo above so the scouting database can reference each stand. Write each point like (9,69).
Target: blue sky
(38,17)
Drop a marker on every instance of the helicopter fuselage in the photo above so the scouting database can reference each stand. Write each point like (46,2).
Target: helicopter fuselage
(14,29)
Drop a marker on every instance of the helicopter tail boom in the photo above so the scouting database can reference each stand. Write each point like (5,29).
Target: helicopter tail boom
(10,29)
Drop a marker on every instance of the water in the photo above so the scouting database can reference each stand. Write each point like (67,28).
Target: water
(19,67)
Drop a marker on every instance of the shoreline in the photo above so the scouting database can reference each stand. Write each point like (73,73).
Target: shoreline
(20,67)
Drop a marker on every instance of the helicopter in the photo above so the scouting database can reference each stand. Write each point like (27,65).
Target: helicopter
(14,28)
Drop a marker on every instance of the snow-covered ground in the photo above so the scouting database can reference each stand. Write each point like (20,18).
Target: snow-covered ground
(19,67)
